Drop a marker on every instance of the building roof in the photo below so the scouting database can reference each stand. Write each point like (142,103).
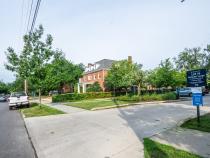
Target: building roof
(101,65)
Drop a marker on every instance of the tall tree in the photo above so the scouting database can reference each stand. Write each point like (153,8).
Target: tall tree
(30,63)
(3,87)
(121,75)
(139,76)
(190,59)
(207,50)
(163,76)
(61,71)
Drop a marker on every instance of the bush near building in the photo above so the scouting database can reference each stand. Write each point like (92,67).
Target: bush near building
(95,95)
(80,96)
(148,97)
(95,87)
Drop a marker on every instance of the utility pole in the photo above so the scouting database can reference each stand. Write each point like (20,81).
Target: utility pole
(26,86)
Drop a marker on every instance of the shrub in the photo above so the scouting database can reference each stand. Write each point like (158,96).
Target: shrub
(80,96)
(128,98)
(169,96)
(148,97)
(95,87)
(152,97)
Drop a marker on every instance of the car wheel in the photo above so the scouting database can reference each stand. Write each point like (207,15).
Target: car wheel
(28,105)
(10,107)
(190,95)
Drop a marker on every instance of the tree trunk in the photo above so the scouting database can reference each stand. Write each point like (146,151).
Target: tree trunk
(139,89)
(126,91)
(40,99)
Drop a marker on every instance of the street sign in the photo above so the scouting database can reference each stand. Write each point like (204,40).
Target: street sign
(196,78)
(197,99)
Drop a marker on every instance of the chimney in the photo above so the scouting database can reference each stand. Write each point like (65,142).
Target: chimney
(130,59)
(89,65)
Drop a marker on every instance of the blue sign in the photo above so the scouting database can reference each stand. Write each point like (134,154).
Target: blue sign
(197,99)
(196,78)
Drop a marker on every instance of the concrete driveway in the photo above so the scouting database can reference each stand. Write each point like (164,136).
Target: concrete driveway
(113,133)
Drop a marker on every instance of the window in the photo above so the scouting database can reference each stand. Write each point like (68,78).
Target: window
(94,77)
(99,76)
(89,77)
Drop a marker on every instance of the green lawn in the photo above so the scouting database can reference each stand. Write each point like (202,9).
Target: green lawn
(154,149)
(35,110)
(203,126)
(95,103)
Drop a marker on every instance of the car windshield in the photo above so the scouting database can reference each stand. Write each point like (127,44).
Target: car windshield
(18,94)
(184,89)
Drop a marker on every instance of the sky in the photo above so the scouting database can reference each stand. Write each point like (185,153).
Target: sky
(88,31)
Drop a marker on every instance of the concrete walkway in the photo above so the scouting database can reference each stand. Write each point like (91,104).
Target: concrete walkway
(65,108)
(112,133)
(185,139)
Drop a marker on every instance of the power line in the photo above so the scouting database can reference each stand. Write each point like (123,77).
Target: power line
(21,21)
(29,18)
(27,13)
(35,15)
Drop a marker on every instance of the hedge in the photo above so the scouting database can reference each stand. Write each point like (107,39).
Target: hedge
(149,97)
(80,96)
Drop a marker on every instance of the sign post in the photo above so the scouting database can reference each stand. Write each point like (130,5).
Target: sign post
(197,101)
(196,79)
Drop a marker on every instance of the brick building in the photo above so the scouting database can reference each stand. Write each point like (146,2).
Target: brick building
(94,73)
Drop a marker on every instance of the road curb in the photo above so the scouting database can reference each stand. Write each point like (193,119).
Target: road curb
(29,137)
(178,125)
(133,104)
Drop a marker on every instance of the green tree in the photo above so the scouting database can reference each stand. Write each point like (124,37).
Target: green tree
(61,71)
(31,62)
(95,87)
(207,50)
(179,78)
(16,85)
(139,76)
(191,59)
(163,76)
(121,75)
(3,87)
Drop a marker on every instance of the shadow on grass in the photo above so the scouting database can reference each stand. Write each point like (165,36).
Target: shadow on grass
(154,149)
(115,102)
(151,150)
(30,106)
(204,124)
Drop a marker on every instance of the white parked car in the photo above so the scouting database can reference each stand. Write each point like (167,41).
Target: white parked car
(18,99)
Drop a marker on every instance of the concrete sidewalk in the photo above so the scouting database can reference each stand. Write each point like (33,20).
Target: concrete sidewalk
(65,108)
(192,141)
(112,133)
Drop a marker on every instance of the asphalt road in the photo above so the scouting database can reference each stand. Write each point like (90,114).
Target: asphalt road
(206,100)
(14,142)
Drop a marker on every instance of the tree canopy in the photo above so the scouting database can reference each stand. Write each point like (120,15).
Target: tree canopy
(190,59)
(36,54)
(61,71)
(122,74)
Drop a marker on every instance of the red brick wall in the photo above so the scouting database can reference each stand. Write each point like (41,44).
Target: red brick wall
(98,76)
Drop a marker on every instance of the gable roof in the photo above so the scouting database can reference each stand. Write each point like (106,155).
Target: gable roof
(101,65)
